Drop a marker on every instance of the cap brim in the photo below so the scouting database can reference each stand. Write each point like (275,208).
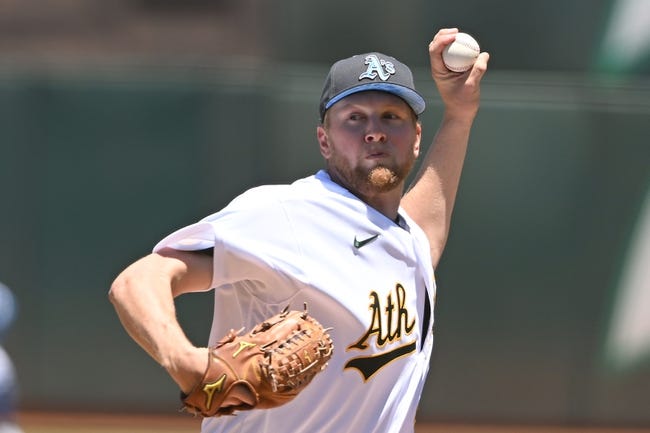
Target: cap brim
(411,97)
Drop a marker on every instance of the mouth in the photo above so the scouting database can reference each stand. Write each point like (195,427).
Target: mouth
(377,155)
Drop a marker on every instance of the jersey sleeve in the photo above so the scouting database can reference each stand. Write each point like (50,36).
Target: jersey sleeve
(253,242)
(198,236)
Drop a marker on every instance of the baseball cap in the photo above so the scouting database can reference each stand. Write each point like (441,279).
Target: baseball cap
(371,71)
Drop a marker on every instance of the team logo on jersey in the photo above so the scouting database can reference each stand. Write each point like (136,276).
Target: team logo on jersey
(377,68)
(389,323)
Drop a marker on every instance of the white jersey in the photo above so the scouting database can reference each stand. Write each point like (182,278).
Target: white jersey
(359,272)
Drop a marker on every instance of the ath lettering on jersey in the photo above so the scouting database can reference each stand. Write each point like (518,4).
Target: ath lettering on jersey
(387,328)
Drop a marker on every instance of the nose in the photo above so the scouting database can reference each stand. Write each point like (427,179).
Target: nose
(374,132)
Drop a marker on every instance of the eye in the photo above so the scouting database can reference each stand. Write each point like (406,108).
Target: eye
(391,115)
(355,116)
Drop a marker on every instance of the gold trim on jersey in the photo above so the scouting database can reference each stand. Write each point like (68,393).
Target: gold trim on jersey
(389,323)
(397,323)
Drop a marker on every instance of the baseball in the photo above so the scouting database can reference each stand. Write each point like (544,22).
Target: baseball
(460,55)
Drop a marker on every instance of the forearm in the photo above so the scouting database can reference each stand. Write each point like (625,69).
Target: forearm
(430,201)
(143,299)
(146,310)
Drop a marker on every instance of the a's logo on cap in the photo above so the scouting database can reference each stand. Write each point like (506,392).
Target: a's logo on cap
(377,68)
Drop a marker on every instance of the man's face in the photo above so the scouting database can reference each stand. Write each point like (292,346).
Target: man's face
(370,141)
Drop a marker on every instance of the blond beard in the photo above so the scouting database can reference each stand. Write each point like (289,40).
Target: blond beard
(379,179)
(383,179)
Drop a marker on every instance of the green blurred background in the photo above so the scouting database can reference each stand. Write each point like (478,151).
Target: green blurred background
(121,121)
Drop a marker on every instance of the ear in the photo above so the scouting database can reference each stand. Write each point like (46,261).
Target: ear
(323,142)
(418,139)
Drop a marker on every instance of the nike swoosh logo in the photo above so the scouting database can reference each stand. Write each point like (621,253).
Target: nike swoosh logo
(359,243)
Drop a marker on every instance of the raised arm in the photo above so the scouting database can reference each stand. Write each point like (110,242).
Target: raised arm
(430,199)
(143,296)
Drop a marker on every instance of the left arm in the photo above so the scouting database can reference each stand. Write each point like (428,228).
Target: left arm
(430,199)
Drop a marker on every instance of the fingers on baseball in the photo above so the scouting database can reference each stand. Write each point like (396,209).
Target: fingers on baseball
(443,38)
(448,31)
(479,68)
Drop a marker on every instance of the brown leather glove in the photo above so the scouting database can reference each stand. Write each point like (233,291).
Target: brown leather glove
(263,369)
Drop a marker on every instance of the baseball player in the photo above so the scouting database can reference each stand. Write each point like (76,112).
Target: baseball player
(8,382)
(348,242)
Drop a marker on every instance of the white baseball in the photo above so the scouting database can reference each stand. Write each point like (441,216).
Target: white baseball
(461,54)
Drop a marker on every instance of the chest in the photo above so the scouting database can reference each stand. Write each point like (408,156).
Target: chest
(374,272)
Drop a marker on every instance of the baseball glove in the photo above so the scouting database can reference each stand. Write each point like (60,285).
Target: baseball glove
(263,369)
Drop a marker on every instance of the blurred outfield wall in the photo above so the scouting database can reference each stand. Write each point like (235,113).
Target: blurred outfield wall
(95,169)
(543,313)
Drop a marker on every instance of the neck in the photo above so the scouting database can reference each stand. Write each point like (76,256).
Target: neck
(388,206)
